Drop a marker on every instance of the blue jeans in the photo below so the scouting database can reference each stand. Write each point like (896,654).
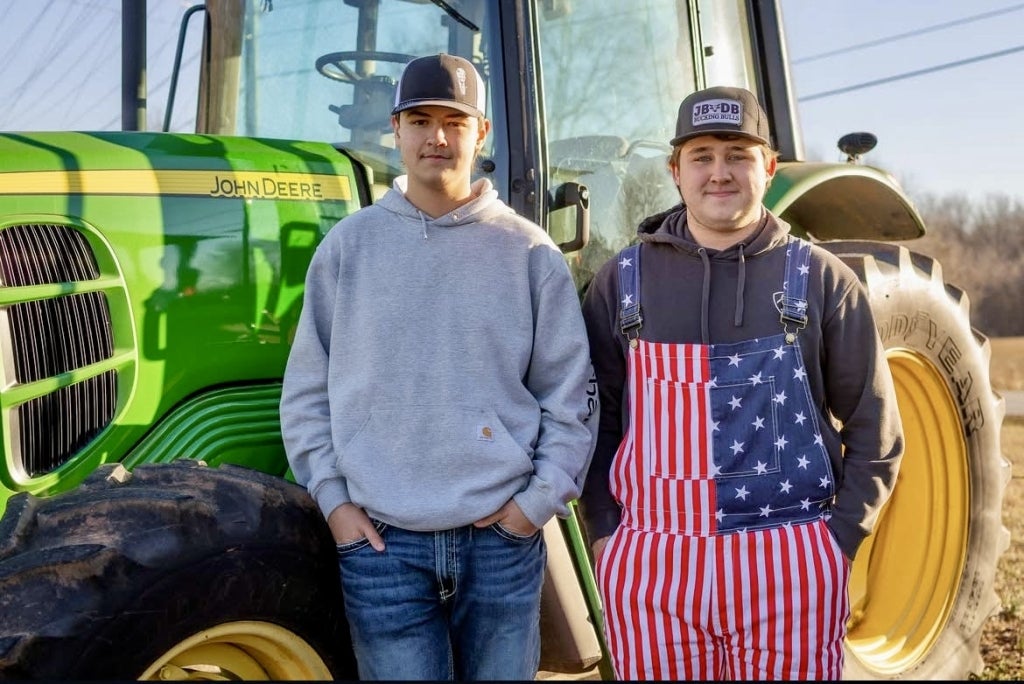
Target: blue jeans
(459,604)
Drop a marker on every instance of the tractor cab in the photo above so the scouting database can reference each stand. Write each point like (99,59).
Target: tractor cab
(581,117)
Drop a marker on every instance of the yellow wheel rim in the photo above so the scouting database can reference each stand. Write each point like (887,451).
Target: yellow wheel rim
(914,559)
(248,651)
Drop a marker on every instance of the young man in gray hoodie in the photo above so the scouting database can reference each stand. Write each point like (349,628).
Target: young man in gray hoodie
(438,401)
(749,427)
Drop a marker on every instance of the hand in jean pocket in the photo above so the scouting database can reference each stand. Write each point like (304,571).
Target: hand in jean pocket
(510,517)
(350,523)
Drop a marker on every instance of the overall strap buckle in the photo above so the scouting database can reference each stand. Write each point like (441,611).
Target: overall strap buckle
(630,317)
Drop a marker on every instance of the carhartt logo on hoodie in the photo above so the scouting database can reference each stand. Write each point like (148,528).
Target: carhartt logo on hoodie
(485,433)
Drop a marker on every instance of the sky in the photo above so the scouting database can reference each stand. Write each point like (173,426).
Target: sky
(942,130)
(937,82)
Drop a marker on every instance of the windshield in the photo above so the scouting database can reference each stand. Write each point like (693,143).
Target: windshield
(326,69)
(614,74)
(609,79)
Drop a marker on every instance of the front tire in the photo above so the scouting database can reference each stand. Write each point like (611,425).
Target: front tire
(181,571)
(923,582)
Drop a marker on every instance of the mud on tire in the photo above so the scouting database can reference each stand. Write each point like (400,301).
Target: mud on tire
(100,582)
(923,584)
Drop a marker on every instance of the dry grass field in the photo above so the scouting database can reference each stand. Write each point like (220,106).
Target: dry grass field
(1002,641)
(1008,363)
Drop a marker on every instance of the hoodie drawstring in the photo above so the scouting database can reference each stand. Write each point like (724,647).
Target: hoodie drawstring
(423,221)
(738,318)
(705,296)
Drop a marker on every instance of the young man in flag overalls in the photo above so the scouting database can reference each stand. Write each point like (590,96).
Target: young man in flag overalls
(749,430)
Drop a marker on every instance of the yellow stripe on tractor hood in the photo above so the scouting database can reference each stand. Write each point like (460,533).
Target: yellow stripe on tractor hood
(219,184)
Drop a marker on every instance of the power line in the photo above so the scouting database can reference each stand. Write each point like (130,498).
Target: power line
(73,26)
(7,10)
(90,86)
(61,35)
(15,46)
(46,92)
(909,34)
(911,74)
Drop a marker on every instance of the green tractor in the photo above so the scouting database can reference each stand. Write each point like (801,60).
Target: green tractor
(150,284)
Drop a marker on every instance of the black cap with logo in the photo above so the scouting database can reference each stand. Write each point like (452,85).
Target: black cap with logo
(721,110)
(445,80)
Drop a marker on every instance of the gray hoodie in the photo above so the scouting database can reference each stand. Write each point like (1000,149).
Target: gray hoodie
(440,368)
(690,294)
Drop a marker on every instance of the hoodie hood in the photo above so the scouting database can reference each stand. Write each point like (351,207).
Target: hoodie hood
(483,206)
(670,227)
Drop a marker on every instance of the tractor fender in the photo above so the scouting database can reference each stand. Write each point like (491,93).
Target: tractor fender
(842,202)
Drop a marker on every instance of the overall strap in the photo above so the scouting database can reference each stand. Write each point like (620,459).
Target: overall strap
(793,307)
(630,319)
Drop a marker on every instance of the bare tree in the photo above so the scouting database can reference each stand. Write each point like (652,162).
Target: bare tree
(981,248)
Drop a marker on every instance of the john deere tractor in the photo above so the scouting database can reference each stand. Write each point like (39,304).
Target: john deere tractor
(150,284)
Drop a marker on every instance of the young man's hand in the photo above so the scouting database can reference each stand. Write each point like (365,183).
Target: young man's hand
(511,517)
(350,523)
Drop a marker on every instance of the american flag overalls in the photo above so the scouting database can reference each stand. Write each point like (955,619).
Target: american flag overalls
(722,566)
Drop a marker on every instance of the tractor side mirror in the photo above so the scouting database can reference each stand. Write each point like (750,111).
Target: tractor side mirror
(570,215)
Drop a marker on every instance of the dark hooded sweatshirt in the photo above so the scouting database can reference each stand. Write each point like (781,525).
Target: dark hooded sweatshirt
(692,294)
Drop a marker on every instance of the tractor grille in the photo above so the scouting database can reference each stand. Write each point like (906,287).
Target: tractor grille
(44,254)
(55,427)
(51,336)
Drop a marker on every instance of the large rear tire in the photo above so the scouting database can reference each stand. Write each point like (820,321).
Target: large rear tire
(179,572)
(923,583)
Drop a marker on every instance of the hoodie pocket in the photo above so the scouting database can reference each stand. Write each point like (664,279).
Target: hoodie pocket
(430,462)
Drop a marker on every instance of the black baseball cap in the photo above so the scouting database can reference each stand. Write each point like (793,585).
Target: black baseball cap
(721,110)
(445,80)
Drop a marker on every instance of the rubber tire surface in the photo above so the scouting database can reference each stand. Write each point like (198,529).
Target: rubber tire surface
(99,582)
(915,309)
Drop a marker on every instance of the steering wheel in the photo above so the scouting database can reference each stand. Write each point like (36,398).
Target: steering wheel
(332,65)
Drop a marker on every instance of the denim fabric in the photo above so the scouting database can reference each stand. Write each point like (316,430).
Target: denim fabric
(459,604)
